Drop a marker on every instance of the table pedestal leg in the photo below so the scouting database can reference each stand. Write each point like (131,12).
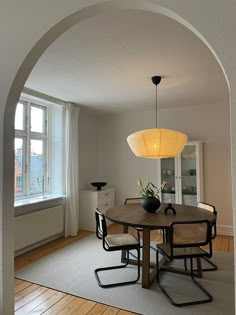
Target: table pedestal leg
(146,259)
(123,252)
(199,267)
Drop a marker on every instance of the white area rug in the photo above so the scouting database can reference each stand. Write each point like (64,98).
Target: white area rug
(71,270)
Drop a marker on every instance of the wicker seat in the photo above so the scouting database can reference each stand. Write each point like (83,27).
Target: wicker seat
(183,245)
(116,242)
(120,240)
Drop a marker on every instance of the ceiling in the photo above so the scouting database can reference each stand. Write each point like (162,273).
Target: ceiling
(106,63)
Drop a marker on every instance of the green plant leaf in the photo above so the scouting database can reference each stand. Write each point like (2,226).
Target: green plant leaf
(153,186)
(150,192)
(153,191)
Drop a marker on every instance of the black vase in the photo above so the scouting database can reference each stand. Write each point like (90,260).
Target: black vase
(150,204)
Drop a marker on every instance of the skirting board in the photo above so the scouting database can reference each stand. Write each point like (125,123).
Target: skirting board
(31,247)
(225,230)
(221,230)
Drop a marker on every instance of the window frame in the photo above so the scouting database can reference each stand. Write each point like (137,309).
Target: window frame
(23,192)
(27,135)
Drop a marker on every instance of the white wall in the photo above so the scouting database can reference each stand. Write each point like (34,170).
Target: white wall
(88,148)
(207,123)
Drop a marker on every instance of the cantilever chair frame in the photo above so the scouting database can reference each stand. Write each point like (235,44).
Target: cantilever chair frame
(170,256)
(214,267)
(101,233)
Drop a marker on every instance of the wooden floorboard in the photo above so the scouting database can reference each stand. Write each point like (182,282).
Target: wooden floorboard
(26,292)
(231,245)
(35,299)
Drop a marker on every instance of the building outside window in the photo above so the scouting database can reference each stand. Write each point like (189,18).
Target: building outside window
(38,149)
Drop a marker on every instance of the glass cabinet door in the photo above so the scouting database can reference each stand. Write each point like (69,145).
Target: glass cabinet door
(184,176)
(168,174)
(189,175)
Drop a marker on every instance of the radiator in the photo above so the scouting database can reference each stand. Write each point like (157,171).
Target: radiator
(37,226)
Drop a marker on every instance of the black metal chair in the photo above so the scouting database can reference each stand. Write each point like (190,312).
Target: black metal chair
(212,209)
(129,201)
(184,241)
(132,200)
(115,242)
(136,201)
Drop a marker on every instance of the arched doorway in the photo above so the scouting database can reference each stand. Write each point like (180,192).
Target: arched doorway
(22,75)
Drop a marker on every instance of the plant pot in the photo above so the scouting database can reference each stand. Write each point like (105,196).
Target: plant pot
(150,204)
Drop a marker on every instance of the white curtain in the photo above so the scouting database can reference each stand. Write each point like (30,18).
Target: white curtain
(72,170)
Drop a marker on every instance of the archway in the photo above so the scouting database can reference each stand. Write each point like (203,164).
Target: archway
(17,87)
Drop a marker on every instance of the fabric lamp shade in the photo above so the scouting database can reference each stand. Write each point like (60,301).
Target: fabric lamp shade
(157,143)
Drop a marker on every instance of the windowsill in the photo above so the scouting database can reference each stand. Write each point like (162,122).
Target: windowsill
(34,200)
(30,205)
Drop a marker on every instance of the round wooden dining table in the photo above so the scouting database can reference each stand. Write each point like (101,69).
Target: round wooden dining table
(134,215)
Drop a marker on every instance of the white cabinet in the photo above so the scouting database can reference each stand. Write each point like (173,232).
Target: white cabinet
(89,201)
(184,175)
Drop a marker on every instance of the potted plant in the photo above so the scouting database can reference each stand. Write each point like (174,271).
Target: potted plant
(150,195)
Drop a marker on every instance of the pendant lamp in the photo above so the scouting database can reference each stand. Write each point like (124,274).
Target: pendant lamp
(157,143)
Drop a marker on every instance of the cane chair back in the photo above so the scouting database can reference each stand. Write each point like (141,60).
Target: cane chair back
(101,227)
(190,234)
(137,200)
(185,239)
(129,201)
(206,206)
(212,209)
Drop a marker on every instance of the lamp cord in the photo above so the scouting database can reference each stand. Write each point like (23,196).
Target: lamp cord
(156,106)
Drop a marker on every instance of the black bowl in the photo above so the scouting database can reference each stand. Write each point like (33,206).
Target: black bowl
(98,185)
(192,172)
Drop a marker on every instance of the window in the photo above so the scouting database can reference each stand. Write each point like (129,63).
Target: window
(19,182)
(38,149)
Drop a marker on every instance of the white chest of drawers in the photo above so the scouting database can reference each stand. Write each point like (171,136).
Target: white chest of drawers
(89,201)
